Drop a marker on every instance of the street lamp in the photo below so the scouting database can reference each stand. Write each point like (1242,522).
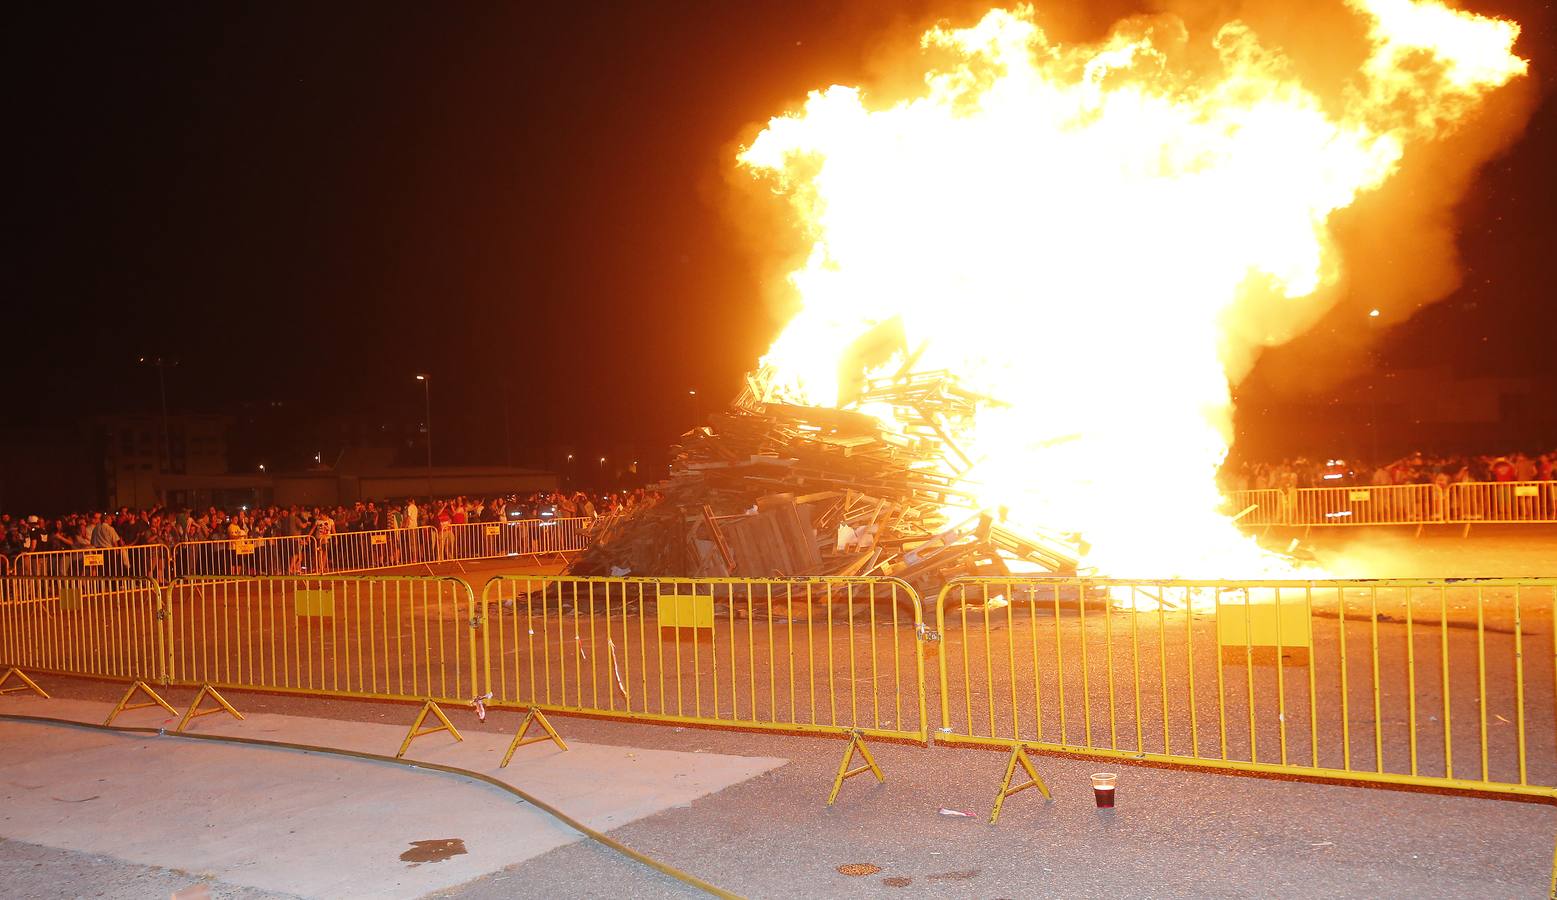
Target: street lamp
(1374,361)
(427,422)
(165,458)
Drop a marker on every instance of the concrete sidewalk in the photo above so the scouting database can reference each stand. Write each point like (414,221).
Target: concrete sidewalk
(315,825)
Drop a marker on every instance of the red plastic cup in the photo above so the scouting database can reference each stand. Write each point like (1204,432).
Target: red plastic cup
(1103,784)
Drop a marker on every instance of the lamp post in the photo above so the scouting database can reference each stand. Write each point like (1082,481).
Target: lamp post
(602,470)
(164,458)
(427,423)
(1373,385)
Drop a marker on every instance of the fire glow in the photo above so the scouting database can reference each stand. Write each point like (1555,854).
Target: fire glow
(1085,233)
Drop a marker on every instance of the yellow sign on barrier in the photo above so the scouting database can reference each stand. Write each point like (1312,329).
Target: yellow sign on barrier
(686,610)
(243,548)
(315,603)
(378,539)
(1256,623)
(92,560)
(1359,496)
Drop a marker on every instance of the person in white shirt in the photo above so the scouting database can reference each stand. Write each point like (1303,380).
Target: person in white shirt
(412,520)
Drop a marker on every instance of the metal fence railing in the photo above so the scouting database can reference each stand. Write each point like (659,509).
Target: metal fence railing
(83,625)
(1405,504)
(527,537)
(400,638)
(1503,502)
(364,551)
(1464,503)
(138,561)
(250,556)
(1433,683)
(350,551)
(839,655)
(1259,508)
(805,654)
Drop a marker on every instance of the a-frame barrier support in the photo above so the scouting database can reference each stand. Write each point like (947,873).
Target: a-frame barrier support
(538,718)
(124,704)
(417,730)
(195,712)
(856,743)
(1018,755)
(27,684)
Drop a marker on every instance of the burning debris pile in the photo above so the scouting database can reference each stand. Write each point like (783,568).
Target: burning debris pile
(769,489)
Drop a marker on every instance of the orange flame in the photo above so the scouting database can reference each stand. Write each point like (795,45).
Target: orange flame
(1071,230)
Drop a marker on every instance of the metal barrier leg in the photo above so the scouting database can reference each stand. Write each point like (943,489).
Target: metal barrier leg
(1018,755)
(414,733)
(195,712)
(539,718)
(856,742)
(125,705)
(1552,891)
(27,683)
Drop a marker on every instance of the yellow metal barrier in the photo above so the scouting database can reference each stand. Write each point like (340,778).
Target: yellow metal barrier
(140,561)
(1401,504)
(251,556)
(483,540)
(836,655)
(1447,684)
(362,551)
(349,636)
(1259,508)
(77,625)
(526,537)
(1505,502)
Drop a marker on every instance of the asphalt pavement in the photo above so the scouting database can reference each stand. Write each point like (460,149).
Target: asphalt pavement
(1175,832)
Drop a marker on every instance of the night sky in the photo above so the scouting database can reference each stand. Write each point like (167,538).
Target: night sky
(307,203)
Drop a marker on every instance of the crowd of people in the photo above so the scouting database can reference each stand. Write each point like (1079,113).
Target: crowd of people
(97,530)
(1417,468)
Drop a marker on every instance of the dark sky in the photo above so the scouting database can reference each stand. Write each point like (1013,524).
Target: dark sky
(308,202)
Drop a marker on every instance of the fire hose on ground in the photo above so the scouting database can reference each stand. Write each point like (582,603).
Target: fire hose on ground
(559,815)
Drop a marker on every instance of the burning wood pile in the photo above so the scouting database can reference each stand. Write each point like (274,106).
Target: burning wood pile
(769,489)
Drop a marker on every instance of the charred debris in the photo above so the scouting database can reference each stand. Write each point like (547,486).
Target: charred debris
(768,490)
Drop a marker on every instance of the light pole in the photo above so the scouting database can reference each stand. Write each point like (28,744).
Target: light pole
(165,458)
(508,449)
(693,398)
(427,422)
(602,470)
(1373,385)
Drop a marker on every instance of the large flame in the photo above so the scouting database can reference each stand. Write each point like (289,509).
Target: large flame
(1070,229)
